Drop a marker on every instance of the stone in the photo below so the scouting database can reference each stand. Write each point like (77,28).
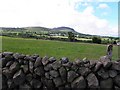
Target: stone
(48,67)
(68,65)
(117,80)
(25,87)
(56,65)
(71,76)
(18,56)
(112,73)
(92,64)
(58,81)
(29,58)
(10,83)
(14,67)
(31,66)
(54,73)
(63,74)
(104,59)
(64,60)
(92,81)
(79,62)
(25,68)
(36,83)
(107,83)
(7,72)
(19,77)
(47,75)
(52,59)
(7,53)
(103,74)
(107,64)
(9,63)
(38,62)
(79,83)
(45,60)
(116,66)
(29,77)
(97,66)
(50,84)
(4,82)
(74,67)
(84,71)
(39,71)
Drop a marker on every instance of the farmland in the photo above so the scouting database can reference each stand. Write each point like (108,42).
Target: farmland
(57,49)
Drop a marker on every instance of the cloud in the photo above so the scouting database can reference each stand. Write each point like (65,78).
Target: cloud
(103,6)
(53,13)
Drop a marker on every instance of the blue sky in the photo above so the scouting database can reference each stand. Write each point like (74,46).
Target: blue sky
(97,17)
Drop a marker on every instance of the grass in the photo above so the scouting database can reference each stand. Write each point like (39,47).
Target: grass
(57,49)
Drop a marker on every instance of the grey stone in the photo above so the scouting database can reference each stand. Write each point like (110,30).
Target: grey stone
(116,88)
(52,59)
(47,75)
(7,53)
(116,66)
(9,63)
(79,83)
(54,73)
(14,67)
(50,84)
(92,81)
(58,81)
(38,62)
(19,77)
(45,60)
(31,66)
(39,71)
(7,72)
(63,74)
(71,76)
(64,60)
(25,68)
(112,73)
(68,65)
(56,65)
(29,58)
(103,74)
(79,62)
(107,64)
(84,71)
(3,62)
(117,80)
(18,56)
(36,83)
(48,67)
(29,77)
(92,64)
(25,87)
(10,83)
(97,66)
(107,83)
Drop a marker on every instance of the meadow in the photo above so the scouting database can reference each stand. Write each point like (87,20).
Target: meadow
(58,49)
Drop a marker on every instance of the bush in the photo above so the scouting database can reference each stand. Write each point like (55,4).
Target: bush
(96,40)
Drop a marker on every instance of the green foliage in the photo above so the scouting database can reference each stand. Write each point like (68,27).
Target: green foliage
(71,37)
(96,40)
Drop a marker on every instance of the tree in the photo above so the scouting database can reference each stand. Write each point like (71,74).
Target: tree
(96,40)
(71,36)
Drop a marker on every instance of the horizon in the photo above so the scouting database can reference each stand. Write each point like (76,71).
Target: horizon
(88,17)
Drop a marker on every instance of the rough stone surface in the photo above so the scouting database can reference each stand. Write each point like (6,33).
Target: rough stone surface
(19,77)
(107,83)
(71,76)
(92,81)
(54,73)
(79,83)
(31,72)
(38,62)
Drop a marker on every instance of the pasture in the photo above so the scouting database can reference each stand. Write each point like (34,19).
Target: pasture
(57,49)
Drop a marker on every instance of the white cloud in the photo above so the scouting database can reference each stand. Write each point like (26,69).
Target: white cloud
(103,6)
(52,13)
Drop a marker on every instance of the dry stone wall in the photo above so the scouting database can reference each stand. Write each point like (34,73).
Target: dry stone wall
(29,72)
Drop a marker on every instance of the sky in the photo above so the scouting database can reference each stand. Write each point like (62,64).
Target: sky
(96,17)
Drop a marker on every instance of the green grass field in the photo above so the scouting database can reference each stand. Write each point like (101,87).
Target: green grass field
(57,49)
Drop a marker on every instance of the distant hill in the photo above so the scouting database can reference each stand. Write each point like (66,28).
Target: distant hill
(64,29)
